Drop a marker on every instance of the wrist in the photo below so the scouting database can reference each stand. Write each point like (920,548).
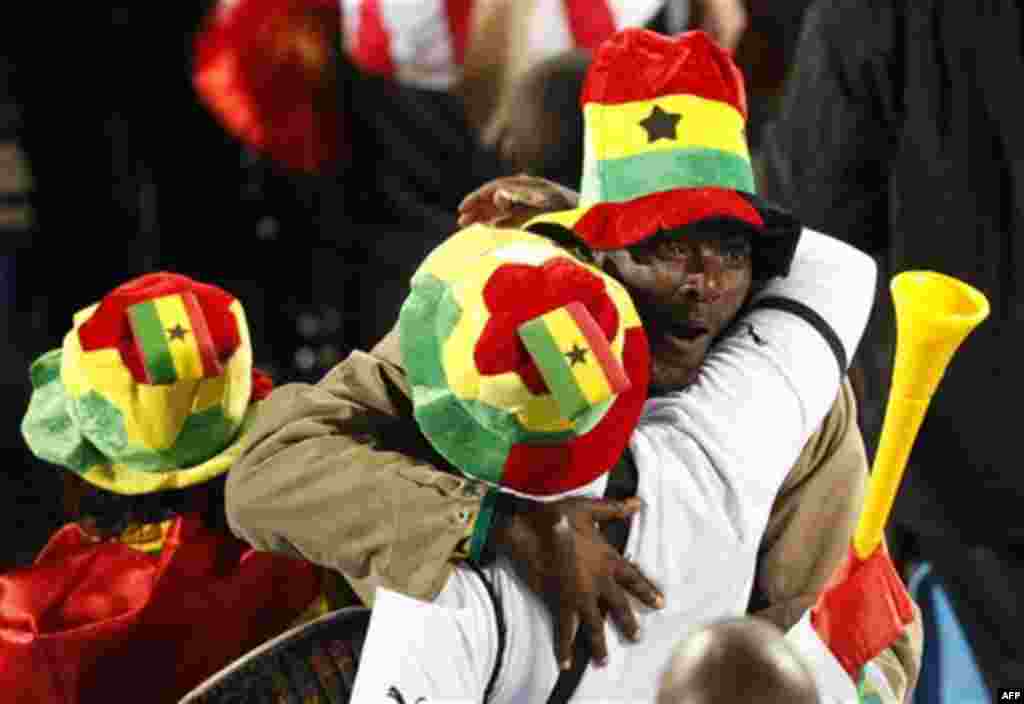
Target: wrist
(499,510)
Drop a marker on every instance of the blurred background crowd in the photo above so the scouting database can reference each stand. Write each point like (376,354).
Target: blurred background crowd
(887,125)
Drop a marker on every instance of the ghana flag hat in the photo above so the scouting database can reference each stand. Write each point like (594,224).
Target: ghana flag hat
(665,148)
(528,368)
(150,390)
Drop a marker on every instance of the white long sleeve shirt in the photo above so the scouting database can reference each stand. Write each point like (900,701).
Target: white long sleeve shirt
(710,460)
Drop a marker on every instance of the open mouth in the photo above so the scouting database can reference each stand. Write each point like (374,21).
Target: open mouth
(686,332)
(690,334)
(687,327)
(689,330)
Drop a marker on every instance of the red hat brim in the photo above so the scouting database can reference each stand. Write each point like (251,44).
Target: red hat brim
(611,226)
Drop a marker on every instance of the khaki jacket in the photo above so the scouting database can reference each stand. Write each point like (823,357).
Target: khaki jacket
(338,473)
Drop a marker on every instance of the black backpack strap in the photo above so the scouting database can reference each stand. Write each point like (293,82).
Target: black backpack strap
(499,618)
(622,484)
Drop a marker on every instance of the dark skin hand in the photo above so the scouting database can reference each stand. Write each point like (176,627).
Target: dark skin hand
(512,200)
(559,552)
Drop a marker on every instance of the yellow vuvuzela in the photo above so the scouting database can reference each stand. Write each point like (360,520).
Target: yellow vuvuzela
(934,314)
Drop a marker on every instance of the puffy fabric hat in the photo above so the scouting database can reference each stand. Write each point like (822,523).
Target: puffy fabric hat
(665,147)
(150,390)
(529,368)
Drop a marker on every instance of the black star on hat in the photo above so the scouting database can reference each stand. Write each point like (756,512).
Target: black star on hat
(577,355)
(660,124)
(177,332)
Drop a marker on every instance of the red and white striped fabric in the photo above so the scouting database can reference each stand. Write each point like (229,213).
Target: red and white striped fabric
(422,42)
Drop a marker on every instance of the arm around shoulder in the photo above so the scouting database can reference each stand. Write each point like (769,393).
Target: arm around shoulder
(338,473)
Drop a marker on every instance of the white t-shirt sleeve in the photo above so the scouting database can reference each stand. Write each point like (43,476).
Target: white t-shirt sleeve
(831,288)
(420,651)
(767,384)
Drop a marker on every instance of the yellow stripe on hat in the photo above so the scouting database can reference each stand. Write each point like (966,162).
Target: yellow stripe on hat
(457,351)
(616,131)
(184,351)
(590,378)
(449,261)
(564,218)
(238,370)
(536,414)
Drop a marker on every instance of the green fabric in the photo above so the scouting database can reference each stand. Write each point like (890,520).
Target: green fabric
(482,528)
(591,417)
(427,318)
(45,369)
(202,436)
(458,436)
(421,355)
(80,434)
(50,427)
(654,172)
(551,363)
(152,341)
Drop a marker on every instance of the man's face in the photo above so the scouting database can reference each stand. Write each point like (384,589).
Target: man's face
(687,290)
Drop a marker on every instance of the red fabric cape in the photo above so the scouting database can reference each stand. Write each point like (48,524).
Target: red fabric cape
(102,622)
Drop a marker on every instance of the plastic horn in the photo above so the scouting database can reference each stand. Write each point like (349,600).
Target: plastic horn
(934,314)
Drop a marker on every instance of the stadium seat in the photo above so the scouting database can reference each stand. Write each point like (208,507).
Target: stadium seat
(311,664)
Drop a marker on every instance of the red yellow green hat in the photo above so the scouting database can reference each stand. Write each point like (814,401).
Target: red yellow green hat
(150,390)
(665,146)
(529,368)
